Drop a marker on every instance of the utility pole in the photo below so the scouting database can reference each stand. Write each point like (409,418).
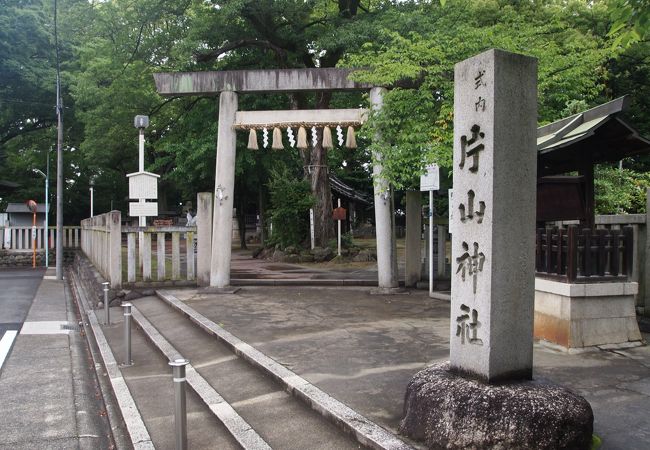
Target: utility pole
(59,157)
(46,234)
(47,210)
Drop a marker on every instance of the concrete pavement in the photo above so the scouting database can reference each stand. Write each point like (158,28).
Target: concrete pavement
(17,290)
(50,397)
(363,349)
(360,349)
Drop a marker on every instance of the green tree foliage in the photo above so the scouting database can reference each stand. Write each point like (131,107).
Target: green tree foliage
(290,202)
(416,124)
(123,46)
(288,34)
(629,74)
(27,103)
(631,21)
(111,48)
(620,191)
(26,62)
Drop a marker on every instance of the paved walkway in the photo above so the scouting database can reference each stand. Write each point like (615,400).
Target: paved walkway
(49,397)
(363,349)
(245,267)
(359,348)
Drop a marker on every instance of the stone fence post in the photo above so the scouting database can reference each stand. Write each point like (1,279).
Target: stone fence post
(115,249)
(644,275)
(203,237)
(413,256)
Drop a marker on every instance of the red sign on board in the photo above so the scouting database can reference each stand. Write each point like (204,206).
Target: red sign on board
(339,213)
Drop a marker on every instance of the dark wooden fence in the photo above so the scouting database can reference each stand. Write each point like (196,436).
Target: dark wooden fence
(584,255)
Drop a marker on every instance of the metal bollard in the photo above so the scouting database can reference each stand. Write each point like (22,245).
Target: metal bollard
(180,409)
(107,312)
(127,333)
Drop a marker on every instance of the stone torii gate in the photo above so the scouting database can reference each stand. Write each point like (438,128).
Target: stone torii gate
(228,84)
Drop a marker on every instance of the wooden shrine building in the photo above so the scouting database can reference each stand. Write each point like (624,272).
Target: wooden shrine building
(576,144)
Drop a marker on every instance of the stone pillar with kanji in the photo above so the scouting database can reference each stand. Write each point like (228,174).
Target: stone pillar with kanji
(484,397)
(495,172)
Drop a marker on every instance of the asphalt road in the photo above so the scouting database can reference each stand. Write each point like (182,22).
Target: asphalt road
(17,291)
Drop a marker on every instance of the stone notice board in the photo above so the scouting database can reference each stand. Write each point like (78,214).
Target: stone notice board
(495,123)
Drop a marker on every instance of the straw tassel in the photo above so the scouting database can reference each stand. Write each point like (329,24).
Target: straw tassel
(252,140)
(277,139)
(351,141)
(327,138)
(302,138)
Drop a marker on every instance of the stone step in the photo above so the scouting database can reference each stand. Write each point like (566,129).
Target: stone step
(236,425)
(279,419)
(149,382)
(300,282)
(364,431)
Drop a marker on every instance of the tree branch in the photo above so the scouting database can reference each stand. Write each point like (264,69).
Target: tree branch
(322,21)
(10,135)
(158,107)
(263,44)
(175,120)
(136,48)
(556,71)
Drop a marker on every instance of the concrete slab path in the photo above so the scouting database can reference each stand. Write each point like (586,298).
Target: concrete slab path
(50,398)
(363,349)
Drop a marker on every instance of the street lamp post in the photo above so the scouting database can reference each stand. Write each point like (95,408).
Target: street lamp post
(141,122)
(46,236)
(92,195)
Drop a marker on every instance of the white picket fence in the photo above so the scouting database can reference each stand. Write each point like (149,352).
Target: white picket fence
(20,238)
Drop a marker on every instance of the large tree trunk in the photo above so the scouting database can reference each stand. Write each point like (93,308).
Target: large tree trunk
(241,219)
(314,161)
(320,184)
(320,189)
(262,210)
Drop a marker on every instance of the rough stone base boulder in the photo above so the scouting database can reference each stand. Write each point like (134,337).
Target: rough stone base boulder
(306,258)
(322,254)
(364,256)
(279,256)
(449,411)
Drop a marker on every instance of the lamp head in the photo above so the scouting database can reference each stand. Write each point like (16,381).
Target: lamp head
(141,121)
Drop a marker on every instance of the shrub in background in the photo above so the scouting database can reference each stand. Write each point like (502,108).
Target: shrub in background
(290,202)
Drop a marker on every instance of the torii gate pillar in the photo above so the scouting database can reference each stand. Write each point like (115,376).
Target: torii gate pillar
(224,187)
(384,217)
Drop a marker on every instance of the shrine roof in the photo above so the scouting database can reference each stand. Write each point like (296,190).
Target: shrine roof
(23,208)
(8,184)
(597,135)
(348,192)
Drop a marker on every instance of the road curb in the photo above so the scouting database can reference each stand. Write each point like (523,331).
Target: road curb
(138,433)
(364,431)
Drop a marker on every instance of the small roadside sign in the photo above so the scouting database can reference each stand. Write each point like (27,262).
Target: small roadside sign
(430,181)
